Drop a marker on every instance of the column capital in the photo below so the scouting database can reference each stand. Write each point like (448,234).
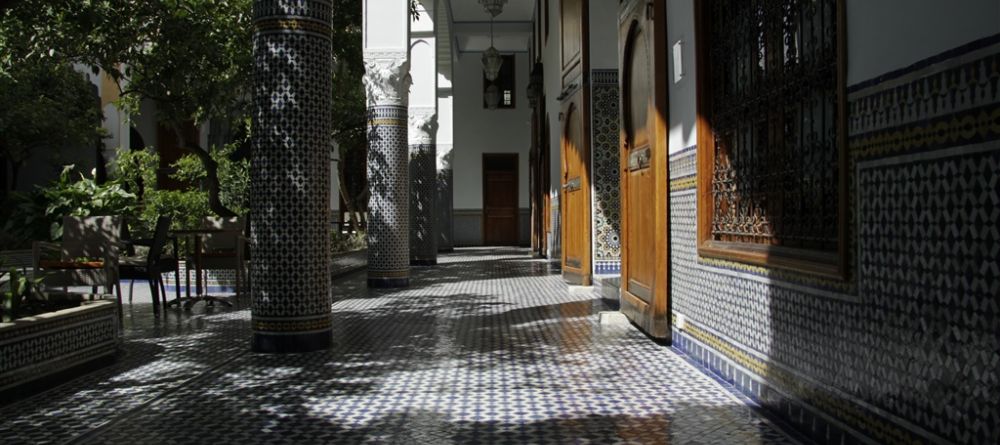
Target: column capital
(387,77)
(422,125)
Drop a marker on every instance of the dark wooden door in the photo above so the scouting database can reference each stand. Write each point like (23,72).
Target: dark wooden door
(500,210)
(575,202)
(644,283)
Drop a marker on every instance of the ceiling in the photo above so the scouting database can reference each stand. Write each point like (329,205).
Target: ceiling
(511,29)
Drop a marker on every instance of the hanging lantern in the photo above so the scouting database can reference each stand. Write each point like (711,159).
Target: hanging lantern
(493,7)
(492,63)
(492,96)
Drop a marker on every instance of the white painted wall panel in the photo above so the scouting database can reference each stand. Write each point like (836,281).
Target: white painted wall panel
(603,34)
(884,36)
(479,130)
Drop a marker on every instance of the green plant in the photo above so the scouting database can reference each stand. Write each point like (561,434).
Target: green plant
(187,207)
(21,296)
(234,175)
(347,242)
(83,197)
(38,215)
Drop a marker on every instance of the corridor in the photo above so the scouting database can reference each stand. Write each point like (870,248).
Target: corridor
(488,347)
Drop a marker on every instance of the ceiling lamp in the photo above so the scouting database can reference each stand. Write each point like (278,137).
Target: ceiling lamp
(493,7)
(491,63)
(491,57)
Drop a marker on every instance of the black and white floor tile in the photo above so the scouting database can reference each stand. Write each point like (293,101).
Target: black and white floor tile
(488,347)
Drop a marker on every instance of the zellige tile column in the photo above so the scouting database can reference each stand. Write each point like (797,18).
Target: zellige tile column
(387,84)
(290,176)
(423,187)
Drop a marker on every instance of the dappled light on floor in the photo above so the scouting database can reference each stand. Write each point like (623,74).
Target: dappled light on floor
(487,347)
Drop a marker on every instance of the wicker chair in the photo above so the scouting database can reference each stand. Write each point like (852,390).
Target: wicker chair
(86,256)
(223,250)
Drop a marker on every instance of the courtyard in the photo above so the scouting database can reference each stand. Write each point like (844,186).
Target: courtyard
(491,346)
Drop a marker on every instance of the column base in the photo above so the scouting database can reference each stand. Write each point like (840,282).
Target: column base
(388,283)
(268,343)
(423,261)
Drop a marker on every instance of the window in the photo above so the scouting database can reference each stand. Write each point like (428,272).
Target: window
(771,105)
(505,83)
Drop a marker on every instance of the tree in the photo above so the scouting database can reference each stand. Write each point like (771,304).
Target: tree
(47,106)
(349,109)
(191,57)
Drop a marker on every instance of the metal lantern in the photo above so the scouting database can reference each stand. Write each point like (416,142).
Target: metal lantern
(493,7)
(492,63)
(492,96)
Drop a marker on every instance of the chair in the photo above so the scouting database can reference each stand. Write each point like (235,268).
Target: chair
(153,265)
(224,250)
(86,256)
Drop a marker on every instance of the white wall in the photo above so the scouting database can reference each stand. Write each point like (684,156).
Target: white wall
(681,95)
(386,24)
(603,34)
(479,130)
(883,36)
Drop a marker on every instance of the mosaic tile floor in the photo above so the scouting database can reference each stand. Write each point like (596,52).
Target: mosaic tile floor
(488,347)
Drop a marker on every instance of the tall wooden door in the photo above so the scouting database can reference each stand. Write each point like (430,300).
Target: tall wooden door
(500,210)
(574,206)
(644,284)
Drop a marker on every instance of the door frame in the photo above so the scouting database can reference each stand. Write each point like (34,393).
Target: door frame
(517,198)
(653,319)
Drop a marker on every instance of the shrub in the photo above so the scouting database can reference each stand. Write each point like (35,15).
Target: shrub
(38,215)
(137,170)
(347,242)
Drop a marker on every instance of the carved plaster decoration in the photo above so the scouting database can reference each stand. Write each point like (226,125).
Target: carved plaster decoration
(387,78)
(444,156)
(422,125)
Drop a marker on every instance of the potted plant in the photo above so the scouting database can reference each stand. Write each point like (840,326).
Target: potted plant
(20,295)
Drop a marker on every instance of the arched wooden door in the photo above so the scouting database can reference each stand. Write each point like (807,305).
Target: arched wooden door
(575,193)
(574,206)
(644,284)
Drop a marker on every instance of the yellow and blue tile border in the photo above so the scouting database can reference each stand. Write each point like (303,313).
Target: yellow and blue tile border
(824,414)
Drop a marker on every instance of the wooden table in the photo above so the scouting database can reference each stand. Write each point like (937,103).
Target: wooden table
(188,300)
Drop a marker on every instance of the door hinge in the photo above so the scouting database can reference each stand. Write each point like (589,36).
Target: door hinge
(649,11)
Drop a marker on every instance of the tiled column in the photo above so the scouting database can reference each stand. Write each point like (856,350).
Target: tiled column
(444,202)
(423,186)
(290,176)
(387,83)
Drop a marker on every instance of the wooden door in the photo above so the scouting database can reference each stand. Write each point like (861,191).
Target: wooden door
(644,284)
(546,179)
(574,205)
(575,202)
(500,210)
